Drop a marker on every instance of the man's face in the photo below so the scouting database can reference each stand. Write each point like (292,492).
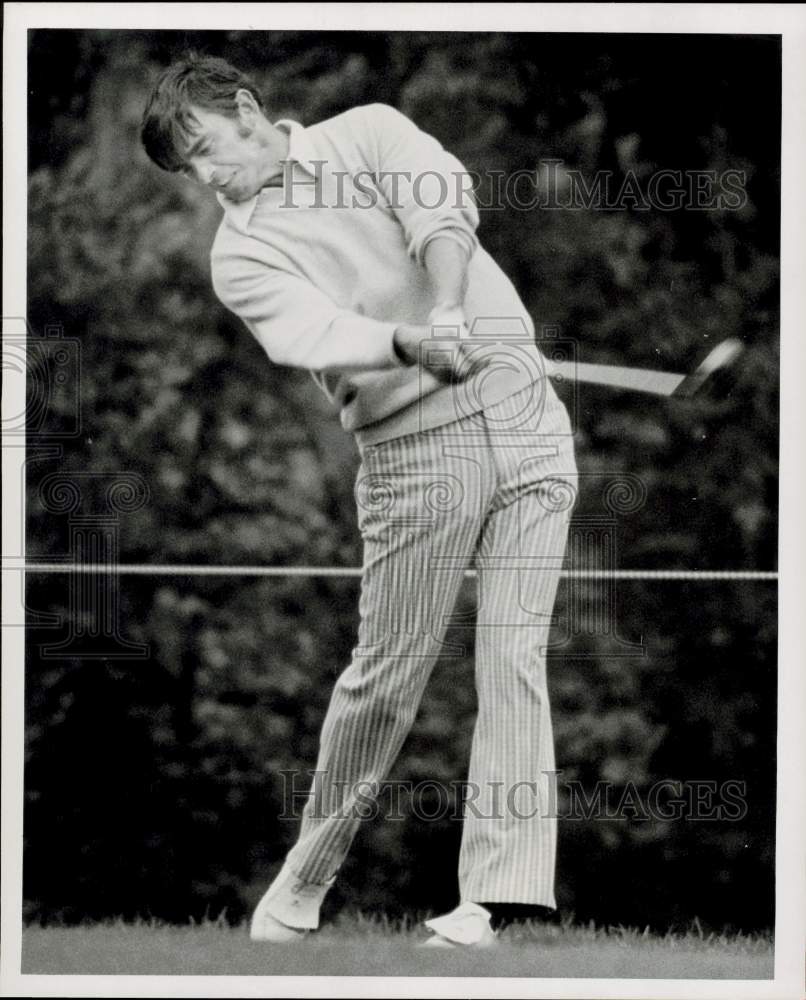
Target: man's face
(226,154)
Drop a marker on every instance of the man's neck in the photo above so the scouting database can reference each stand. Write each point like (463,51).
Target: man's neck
(276,144)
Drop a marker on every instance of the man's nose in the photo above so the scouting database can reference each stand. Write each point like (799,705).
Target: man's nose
(203,171)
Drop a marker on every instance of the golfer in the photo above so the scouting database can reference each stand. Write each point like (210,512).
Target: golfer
(349,248)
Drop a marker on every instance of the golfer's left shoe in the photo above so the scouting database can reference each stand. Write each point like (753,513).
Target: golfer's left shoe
(466,926)
(288,910)
(265,927)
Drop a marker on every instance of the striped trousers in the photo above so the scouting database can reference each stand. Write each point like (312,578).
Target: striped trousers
(494,488)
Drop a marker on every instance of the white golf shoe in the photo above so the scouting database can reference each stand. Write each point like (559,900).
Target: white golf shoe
(265,927)
(288,910)
(466,926)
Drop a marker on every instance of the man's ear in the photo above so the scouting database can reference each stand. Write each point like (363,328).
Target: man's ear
(248,110)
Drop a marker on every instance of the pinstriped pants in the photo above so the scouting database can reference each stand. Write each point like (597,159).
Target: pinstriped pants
(495,487)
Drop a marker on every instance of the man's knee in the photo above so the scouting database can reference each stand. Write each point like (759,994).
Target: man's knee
(378,692)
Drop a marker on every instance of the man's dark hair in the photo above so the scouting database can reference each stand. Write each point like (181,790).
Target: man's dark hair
(204,81)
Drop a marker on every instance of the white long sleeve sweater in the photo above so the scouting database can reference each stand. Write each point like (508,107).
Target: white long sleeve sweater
(324,268)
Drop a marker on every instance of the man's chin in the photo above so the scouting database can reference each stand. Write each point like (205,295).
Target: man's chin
(238,194)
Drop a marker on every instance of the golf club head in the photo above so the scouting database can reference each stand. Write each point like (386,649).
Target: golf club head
(718,358)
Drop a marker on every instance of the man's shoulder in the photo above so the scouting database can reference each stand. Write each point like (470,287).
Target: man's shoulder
(377,111)
(360,121)
(231,252)
(226,241)
(223,254)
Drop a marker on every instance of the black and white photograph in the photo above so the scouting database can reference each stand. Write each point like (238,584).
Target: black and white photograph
(402,472)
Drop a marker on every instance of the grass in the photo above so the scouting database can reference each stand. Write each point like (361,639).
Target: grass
(364,946)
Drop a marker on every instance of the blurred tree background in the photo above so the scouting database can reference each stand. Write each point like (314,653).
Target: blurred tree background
(154,783)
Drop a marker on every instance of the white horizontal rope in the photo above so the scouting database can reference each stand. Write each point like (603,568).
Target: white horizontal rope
(194,569)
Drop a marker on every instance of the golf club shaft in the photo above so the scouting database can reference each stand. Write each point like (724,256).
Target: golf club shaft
(636,379)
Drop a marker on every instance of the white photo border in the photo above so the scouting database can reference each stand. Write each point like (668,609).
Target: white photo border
(788,20)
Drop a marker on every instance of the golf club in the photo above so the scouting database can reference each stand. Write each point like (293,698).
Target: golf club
(648,380)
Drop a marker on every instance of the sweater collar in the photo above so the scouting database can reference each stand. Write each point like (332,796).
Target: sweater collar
(300,151)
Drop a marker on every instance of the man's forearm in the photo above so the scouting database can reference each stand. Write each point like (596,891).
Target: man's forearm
(446,262)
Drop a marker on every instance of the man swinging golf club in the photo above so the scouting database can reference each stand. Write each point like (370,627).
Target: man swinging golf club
(348,248)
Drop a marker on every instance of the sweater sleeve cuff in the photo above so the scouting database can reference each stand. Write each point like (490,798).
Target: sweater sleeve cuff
(467,240)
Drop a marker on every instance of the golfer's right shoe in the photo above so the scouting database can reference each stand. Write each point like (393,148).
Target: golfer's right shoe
(466,926)
(288,910)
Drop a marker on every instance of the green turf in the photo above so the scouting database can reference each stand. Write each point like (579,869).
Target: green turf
(358,946)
